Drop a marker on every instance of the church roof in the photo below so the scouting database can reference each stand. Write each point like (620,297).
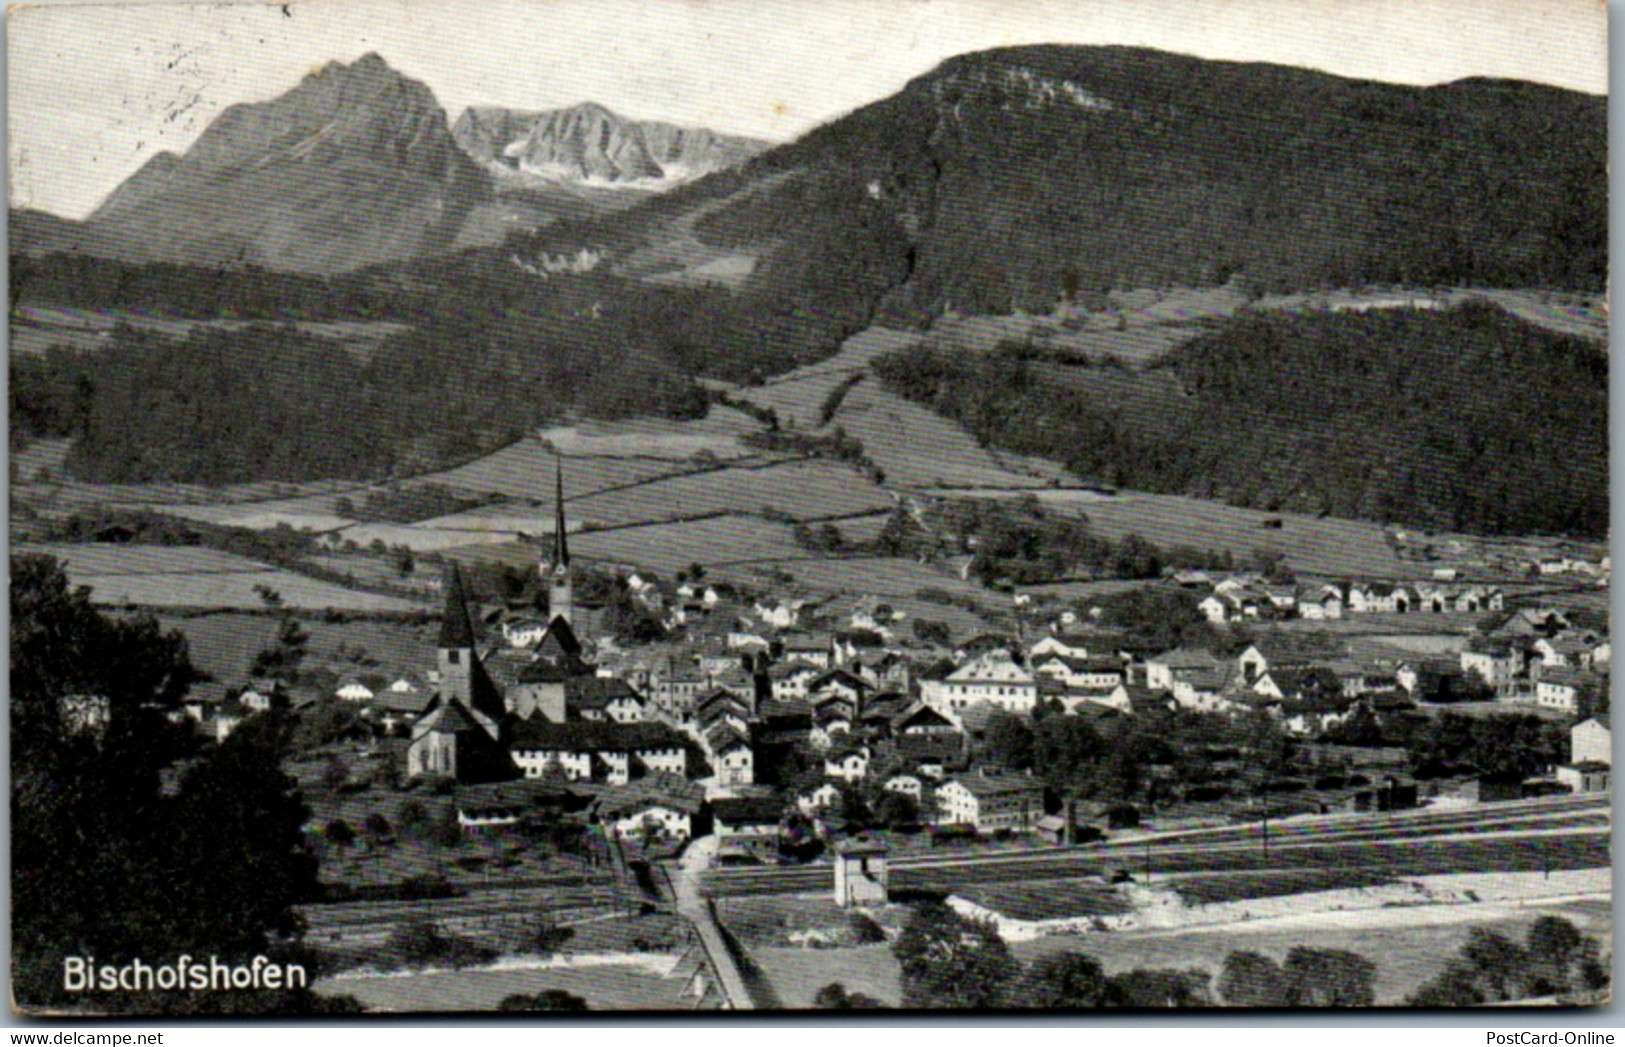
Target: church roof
(559,642)
(456,630)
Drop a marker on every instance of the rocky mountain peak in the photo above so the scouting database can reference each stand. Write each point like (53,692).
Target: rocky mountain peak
(590,143)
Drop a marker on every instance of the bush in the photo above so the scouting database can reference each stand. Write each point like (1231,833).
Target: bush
(865,930)
(338,831)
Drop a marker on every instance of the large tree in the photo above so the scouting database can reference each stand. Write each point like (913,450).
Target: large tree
(952,960)
(109,860)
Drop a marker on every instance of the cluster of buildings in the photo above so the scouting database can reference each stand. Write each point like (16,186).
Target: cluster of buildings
(1245,597)
(765,719)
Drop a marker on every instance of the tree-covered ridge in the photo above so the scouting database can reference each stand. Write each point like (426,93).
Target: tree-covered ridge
(1465,419)
(269,403)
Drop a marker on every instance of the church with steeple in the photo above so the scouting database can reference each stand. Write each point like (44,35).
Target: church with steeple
(460,732)
(556,571)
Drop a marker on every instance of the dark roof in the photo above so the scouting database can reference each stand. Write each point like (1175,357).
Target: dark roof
(579,735)
(666,790)
(595,692)
(559,643)
(723,737)
(753,810)
(980,785)
(543,671)
(832,676)
(454,718)
(456,630)
(921,713)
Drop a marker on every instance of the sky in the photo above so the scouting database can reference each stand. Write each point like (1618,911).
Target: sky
(95,90)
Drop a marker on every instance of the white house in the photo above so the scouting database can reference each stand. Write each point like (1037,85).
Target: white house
(823,798)
(1592,741)
(992,802)
(849,766)
(992,677)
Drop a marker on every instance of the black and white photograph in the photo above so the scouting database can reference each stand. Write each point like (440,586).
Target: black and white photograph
(1016,506)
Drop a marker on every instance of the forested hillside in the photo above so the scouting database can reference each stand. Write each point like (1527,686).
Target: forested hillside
(267,403)
(1466,419)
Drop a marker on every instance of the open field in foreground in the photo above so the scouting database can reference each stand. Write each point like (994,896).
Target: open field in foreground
(607,982)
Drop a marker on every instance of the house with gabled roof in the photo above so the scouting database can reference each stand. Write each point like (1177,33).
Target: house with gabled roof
(662,806)
(1163,670)
(990,802)
(733,761)
(603,698)
(994,678)
(848,765)
(1081,674)
(597,751)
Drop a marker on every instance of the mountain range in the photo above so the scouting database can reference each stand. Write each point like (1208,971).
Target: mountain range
(357,166)
(590,144)
(1010,179)
(1003,179)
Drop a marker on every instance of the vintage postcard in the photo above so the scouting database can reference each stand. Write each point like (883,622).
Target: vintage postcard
(561,505)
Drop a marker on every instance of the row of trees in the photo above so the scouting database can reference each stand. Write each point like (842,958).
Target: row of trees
(950,960)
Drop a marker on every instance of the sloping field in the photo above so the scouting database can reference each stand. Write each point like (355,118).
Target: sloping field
(232,590)
(669,548)
(224,645)
(311,513)
(423,539)
(109,560)
(803,489)
(525,470)
(717,432)
(665,548)
(913,446)
(1327,547)
(882,576)
(38,327)
(190,576)
(41,455)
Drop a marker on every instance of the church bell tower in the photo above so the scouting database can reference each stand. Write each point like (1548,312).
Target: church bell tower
(557,572)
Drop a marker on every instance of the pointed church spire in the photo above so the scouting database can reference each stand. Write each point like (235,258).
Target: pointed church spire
(456,630)
(561,549)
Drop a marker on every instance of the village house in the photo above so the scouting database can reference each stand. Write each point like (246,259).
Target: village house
(991,802)
(1500,667)
(1083,674)
(849,766)
(992,677)
(907,784)
(1058,644)
(815,649)
(1380,598)
(1560,689)
(662,807)
(748,821)
(1162,671)
(597,751)
(733,762)
(1592,740)
(1323,604)
(603,699)
(823,797)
